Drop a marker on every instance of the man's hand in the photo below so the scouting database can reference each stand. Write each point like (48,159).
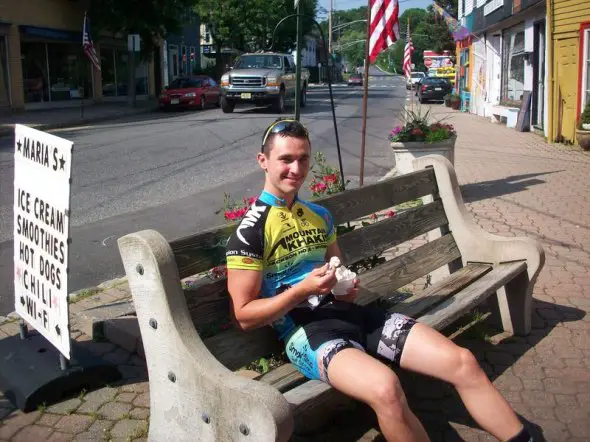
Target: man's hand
(352,293)
(319,281)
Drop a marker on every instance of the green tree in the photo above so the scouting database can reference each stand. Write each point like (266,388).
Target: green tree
(352,47)
(249,26)
(152,20)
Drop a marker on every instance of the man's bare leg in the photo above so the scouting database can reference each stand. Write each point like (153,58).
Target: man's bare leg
(363,377)
(428,352)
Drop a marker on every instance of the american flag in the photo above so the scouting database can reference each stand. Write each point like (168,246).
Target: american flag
(384,26)
(88,46)
(408,51)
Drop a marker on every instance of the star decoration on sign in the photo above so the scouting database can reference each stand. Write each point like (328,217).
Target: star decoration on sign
(62,163)
(57,330)
(19,145)
(22,300)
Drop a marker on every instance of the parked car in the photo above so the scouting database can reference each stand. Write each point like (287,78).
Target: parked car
(355,80)
(197,91)
(263,78)
(433,88)
(415,77)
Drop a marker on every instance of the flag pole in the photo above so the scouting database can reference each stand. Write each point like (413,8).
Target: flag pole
(411,93)
(365,95)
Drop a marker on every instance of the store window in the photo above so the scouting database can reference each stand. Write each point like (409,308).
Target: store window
(141,79)
(585,68)
(35,75)
(69,71)
(54,72)
(513,66)
(115,72)
(4,83)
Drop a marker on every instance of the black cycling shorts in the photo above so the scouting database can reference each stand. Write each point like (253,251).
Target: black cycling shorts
(336,325)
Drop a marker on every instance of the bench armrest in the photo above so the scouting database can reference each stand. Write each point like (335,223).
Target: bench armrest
(474,243)
(192,395)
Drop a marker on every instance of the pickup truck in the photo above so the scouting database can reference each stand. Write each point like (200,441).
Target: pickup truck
(262,78)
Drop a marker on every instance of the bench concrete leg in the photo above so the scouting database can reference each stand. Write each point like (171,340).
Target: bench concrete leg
(495,118)
(515,305)
(193,397)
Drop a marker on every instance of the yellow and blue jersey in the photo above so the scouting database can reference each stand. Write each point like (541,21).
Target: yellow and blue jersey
(283,243)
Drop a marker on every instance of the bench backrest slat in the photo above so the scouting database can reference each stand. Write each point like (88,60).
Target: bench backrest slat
(363,201)
(403,269)
(205,250)
(390,232)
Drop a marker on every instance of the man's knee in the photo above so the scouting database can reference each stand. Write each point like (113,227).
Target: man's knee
(388,395)
(468,372)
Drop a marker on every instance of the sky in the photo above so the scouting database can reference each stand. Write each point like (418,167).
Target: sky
(351,4)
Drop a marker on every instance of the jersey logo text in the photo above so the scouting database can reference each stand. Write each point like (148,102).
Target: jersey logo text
(249,220)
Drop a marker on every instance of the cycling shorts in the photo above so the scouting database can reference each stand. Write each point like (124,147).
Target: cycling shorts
(338,325)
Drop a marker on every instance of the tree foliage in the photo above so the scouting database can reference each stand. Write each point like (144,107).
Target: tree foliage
(249,26)
(152,19)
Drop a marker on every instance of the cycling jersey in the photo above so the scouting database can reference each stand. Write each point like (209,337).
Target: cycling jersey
(284,244)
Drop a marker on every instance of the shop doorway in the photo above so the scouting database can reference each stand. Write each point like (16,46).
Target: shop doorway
(4,75)
(538,110)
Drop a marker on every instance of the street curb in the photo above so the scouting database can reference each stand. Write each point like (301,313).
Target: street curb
(8,132)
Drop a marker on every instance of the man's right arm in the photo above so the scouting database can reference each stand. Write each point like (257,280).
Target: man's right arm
(253,312)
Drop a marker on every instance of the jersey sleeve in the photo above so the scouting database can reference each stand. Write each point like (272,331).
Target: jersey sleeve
(330,228)
(245,248)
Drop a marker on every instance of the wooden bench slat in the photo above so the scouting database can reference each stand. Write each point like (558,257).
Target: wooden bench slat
(311,396)
(362,201)
(200,252)
(205,250)
(369,240)
(449,310)
(234,348)
(415,305)
(401,270)
(283,378)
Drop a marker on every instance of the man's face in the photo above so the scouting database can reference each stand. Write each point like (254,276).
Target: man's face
(287,164)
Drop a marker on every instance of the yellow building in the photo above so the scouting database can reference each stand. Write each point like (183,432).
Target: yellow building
(569,70)
(42,64)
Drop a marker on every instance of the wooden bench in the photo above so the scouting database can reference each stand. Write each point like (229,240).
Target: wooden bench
(194,394)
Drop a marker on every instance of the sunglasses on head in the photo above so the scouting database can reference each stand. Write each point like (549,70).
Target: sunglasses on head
(287,125)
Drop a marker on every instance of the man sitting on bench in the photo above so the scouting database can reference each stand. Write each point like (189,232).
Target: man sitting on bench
(278,275)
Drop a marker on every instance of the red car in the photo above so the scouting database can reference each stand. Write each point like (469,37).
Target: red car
(190,92)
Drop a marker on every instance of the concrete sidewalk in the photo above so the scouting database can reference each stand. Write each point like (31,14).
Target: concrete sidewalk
(514,184)
(47,119)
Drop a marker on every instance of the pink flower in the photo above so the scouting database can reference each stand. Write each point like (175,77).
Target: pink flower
(319,187)
(390,214)
(373,217)
(229,215)
(330,179)
(417,132)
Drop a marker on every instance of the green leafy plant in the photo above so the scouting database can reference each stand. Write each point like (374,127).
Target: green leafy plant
(585,117)
(326,179)
(417,127)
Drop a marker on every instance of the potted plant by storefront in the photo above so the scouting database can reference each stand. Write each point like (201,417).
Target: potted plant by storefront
(583,129)
(447,99)
(455,101)
(419,136)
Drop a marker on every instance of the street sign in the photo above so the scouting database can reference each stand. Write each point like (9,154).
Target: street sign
(296,3)
(42,178)
(133,43)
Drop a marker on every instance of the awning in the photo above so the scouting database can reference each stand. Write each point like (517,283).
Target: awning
(54,34)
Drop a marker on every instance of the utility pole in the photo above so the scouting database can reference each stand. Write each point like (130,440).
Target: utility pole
(330,28)
(298,62)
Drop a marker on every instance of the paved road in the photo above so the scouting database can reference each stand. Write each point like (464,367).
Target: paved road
(169,171)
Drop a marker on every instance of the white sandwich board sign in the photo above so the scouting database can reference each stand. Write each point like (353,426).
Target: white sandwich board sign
(42,178)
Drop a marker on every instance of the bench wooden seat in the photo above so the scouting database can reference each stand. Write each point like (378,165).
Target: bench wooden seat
(192,346)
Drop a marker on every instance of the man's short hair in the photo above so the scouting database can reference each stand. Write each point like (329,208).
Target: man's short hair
(283,127)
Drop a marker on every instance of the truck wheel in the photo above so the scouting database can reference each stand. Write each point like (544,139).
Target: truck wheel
(227,106)
(280,103)
(303,101)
